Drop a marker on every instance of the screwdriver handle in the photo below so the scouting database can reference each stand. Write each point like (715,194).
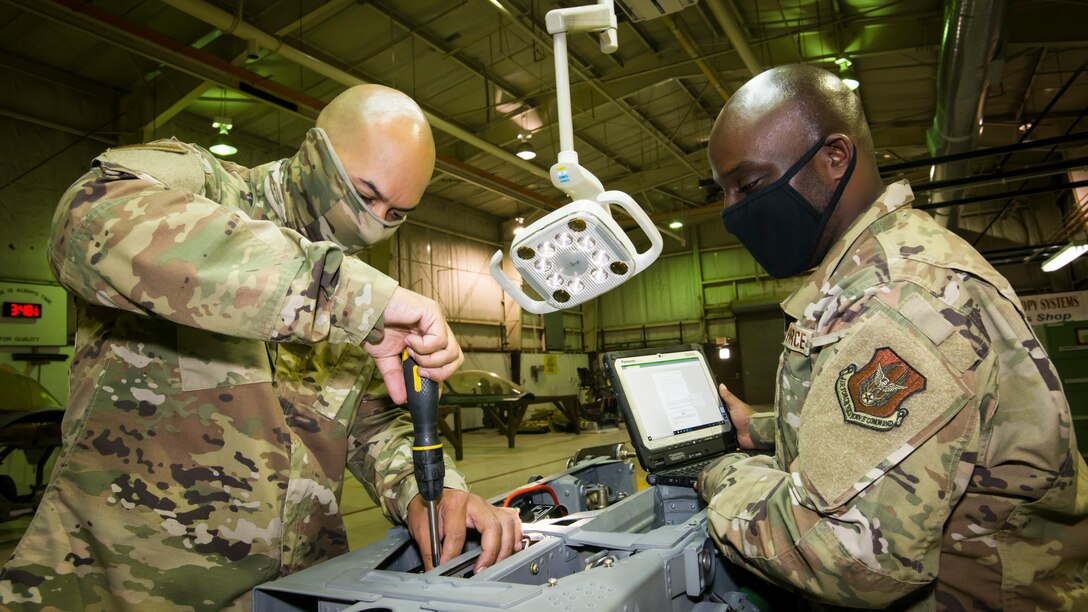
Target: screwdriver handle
(427,459)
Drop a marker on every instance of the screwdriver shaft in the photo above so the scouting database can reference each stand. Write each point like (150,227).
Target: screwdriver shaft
(432,517)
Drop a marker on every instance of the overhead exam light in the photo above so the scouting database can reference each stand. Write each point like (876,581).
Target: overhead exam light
(578,252)
(1064,256)
(221,144)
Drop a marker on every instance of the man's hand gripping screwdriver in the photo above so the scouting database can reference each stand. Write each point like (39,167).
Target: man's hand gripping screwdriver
(430,468)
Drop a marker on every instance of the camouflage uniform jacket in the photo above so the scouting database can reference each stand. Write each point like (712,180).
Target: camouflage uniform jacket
(215,392)
(924,452)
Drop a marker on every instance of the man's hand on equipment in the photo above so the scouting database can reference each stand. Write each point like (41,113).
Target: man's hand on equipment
(500,528)
(415,322)
(739,413)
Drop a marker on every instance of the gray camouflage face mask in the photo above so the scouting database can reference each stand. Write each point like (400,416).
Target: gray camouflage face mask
(324,201)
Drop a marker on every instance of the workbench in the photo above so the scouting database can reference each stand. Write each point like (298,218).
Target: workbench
(506,411)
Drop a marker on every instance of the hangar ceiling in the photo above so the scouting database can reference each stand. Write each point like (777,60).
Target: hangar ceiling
(483,69)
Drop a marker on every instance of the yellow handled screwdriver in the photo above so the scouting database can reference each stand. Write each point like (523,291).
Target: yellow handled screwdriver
(430,467)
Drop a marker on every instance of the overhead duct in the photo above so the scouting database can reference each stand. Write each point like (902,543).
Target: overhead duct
(735,34)
(972,42)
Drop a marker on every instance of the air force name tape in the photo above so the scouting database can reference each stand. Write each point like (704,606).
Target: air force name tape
(798,339)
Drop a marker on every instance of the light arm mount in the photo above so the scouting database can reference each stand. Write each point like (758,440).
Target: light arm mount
(575,253)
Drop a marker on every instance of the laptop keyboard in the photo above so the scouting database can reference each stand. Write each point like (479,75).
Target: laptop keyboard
(691,469)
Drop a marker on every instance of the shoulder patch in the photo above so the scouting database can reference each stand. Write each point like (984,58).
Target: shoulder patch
(879,393)
(165,161)
(872,395)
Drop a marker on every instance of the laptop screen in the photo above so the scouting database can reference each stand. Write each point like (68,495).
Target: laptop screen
(672,397)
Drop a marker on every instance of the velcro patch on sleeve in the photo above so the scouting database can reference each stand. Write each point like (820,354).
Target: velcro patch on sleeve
(881,392)
(174,169)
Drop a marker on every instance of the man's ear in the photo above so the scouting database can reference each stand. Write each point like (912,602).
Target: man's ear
(834,158)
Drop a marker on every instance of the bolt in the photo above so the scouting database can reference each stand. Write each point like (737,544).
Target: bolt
(609,561)
(534,568)
(553,582)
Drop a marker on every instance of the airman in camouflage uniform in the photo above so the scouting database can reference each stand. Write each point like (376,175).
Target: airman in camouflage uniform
(924,455)
(223,352)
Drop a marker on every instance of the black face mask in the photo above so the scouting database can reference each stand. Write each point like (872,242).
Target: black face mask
(778,226)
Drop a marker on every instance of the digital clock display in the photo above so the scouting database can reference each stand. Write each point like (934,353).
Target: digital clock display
(22,310)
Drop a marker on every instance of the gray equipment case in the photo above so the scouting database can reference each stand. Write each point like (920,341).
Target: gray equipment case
(616,549)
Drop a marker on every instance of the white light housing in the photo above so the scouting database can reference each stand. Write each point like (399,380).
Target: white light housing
(723,352)
(1067,254)
(564,274)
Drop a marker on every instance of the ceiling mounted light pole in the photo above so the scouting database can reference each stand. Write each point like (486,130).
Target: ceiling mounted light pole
(578,252)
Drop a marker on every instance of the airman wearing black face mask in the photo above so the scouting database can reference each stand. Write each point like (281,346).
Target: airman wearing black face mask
(924,457)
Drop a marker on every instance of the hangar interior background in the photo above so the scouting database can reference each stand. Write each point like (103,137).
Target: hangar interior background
(936,79)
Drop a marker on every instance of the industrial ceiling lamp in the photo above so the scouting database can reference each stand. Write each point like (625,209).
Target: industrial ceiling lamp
(847,74)
(221,144)
(578,252)
(676,224)
(525,149)
(1066,255)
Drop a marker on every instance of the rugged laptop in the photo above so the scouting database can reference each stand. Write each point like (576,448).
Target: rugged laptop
(676,419)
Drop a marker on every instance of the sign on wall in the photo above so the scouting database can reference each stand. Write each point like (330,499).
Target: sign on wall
(551,364)
(33,315)
(1056,307)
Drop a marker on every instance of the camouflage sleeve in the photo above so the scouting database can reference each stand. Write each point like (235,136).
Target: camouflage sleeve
(123,240)
(761,427)
(885,450)
(380,456)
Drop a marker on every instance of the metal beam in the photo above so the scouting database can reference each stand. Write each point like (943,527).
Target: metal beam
(118,31)
(1018,193)
(234,26)
(56,126)
(979,153)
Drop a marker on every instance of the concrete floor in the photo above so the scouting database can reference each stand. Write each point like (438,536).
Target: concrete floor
(489,467)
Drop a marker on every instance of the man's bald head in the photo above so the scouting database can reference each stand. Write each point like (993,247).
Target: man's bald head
(807,101)
(384,142)
(770,123)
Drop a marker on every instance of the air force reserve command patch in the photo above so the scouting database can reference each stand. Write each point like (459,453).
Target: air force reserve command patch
(872,396)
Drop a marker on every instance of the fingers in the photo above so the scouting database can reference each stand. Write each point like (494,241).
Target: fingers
(393,375)
(733,403)
(500,528)
(436,364)
(417,323)
(419,529)
(500,532)
(739,413)
(451,510)
(727,395)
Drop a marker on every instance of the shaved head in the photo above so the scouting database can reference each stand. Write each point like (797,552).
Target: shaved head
(807,101)
(385,144)
(769,124)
